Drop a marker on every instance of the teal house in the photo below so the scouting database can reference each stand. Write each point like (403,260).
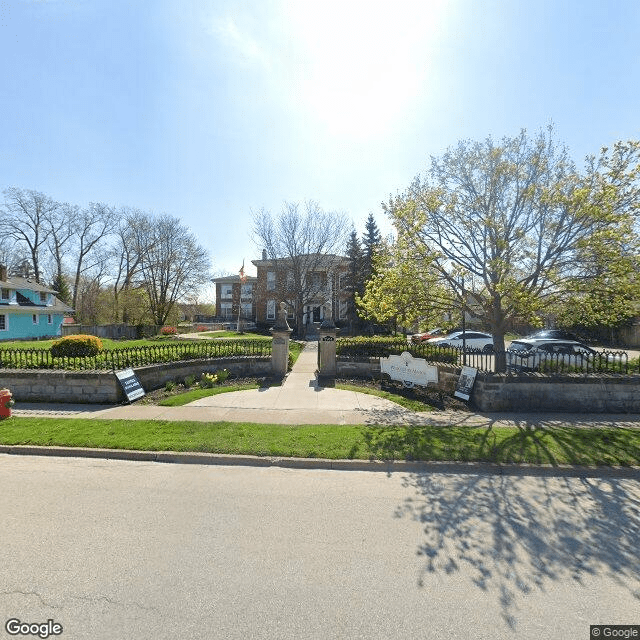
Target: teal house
(28,310)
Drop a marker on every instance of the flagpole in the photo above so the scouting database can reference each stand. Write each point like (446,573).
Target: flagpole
(242,279)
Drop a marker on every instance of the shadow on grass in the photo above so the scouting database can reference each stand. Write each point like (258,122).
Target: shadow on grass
(523,443)
(514,534)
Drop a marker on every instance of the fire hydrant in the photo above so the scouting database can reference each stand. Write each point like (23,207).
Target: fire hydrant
(6,402)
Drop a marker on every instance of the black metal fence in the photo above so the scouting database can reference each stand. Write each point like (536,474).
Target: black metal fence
(615,362)
(134,356)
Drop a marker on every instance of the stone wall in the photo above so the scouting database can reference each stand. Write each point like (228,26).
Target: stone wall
(102,387)
(575,393)
(533,392)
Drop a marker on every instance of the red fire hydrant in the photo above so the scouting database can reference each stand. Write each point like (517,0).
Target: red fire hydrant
(6,402)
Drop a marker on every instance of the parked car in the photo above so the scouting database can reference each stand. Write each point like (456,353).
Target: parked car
(472,340)
(433,333)
(530,354)
(552,334)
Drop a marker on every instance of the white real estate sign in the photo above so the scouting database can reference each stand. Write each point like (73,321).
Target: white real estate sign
(409,370)
(130,384)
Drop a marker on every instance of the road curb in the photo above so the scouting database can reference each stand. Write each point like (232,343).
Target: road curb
(386,466)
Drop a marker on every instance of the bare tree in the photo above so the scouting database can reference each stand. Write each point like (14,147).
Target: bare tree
(25,220)
(173,265)
(300,243)
(91,226)
(133,237)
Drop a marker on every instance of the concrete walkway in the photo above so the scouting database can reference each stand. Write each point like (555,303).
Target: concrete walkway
(300,400)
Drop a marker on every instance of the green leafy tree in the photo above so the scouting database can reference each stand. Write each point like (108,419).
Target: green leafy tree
(403,288)
(513,218)
(60,285)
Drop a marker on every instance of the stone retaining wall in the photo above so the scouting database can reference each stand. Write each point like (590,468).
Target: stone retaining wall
(576,393)
(102,387)
(533,392)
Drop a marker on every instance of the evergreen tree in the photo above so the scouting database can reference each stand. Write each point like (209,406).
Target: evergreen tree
(60,285)
(356,276)
(370,242)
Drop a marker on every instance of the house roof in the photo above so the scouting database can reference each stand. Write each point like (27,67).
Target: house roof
(16,282)
(312,259)
(232,279)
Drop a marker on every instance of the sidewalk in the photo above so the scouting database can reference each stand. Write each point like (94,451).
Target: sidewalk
(300,400)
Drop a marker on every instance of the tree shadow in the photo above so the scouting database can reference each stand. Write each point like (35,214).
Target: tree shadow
(517,532)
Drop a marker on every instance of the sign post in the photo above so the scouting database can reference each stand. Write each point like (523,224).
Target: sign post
(130,384)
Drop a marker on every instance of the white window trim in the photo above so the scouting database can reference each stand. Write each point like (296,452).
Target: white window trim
(271,309)
(8,292)
(271,280)
(6,321)
(49,318)
(35,318)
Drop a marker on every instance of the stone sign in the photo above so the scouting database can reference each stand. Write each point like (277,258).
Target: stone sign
(409,370)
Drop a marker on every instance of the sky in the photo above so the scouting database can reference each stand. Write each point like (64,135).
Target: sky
(211,111)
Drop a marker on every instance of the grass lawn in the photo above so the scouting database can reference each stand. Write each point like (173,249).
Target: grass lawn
(552,446)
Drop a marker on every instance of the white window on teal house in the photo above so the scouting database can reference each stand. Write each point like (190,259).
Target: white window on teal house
(271,309)
(49,318)
(34,318)
(4,294)
(4,322)
(43,297)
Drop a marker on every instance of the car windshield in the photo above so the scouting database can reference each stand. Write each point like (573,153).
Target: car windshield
(520,346)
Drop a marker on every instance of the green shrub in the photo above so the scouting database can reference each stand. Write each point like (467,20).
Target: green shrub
(189,381)
(77,346)
(170,385)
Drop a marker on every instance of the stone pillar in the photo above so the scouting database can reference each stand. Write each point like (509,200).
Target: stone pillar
(327,348)
(280,346)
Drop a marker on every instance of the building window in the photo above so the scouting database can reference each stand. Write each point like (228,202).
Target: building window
(49,319)
(226,291)
(271,309)
(343,309)
(43,297)
(343,281)
(247,308)
(290,280)
(226,309)
(34,318)
(247,290)
(291,308)
(271,281)
(4,322)
(4,294)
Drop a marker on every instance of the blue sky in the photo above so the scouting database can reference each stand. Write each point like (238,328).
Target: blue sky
(210,111)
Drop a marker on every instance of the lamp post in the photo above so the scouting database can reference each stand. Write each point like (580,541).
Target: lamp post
(464,333)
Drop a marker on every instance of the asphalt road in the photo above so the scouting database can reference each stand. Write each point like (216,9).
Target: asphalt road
(118,549)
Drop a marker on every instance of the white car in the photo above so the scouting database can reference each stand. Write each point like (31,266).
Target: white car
(528,354)
(472,340)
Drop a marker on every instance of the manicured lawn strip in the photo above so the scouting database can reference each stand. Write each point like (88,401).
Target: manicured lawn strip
(196,394)
(556,445)
(407,403)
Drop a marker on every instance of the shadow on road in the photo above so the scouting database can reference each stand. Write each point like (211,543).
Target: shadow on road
(520,533)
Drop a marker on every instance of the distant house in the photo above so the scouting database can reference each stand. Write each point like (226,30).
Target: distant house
(312,285)
(28,310)
(233,295)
